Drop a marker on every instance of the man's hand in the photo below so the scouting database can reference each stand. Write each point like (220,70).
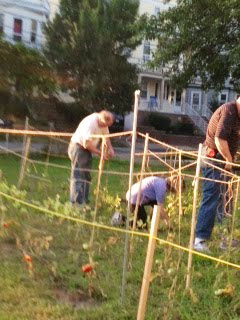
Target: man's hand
(110,152)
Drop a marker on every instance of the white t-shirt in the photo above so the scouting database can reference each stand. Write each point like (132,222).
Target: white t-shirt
(87,127)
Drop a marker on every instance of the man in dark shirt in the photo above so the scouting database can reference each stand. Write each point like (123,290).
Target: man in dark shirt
(221,143)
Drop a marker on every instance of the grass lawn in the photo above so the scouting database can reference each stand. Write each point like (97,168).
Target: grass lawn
(42,256)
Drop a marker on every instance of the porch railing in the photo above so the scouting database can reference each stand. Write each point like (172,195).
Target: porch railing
(199,122)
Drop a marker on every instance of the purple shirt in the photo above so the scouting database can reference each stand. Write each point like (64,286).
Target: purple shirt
(152,189)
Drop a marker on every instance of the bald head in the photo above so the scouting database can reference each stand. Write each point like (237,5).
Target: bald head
(105,118)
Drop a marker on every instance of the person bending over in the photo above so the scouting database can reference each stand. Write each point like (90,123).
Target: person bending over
(153,191)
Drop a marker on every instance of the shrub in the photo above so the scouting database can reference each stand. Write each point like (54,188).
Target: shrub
(73,112)
(183,128)
(214,104)
(159,122)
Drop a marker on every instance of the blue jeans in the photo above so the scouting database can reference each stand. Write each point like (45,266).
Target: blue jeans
(80,179)
(210,201)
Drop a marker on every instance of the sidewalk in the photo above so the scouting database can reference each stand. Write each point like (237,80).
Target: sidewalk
(122,153)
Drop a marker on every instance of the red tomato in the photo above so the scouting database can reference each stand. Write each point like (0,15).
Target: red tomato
(27,258)
(87,268)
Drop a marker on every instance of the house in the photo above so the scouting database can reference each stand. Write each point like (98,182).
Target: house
(156,91)
(22,20)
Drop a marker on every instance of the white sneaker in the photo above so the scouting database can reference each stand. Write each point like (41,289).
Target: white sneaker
(200,245)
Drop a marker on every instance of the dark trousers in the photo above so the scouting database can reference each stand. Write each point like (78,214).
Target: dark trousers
(142,214)
(210,201)
(81,161)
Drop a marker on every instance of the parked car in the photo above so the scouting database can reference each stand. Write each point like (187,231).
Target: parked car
(6,124)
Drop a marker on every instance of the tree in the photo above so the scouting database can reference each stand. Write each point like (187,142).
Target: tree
(24,70)
(199,38)
(89,42)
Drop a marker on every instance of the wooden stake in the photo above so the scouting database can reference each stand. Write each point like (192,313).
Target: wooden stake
(196,184)
(100,169)
(48,149)
(7,142)
(140,181)
(26,125)
(180,196)
(233,215)
(148,263)
(24,161)
(134,137)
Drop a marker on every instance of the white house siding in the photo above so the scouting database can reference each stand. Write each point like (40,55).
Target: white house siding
(26,11)
(54,7)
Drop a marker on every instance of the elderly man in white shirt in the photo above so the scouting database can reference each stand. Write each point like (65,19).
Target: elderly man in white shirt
(80,150)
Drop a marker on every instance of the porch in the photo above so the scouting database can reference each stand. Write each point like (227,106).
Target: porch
(158,95)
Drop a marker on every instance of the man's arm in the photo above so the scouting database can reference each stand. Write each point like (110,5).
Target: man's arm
(223,149)
(110,151)
(91,147)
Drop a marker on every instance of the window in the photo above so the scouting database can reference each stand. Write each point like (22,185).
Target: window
(34,31)
(166,91)
(146,58)
(17,30)
(178,98)
(223,97)
(143,89)
(156,11)
(156,89)
(196,100)
(146,48)
(1,22)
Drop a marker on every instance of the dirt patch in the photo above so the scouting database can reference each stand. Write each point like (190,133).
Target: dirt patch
(8,248)
(77,299)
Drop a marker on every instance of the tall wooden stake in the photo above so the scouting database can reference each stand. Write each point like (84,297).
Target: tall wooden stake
(24,161)
(196,185)
(48,149)
(26,125)
(180,196)
(233,215)
(100,169)
(7,142)
(148,263)
(126,247)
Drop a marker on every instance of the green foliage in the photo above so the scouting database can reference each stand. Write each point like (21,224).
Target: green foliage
(89,42)
(73,112)
(214,104)
(198,38)
(12,104)
(25,69)
(183,128)
(53,286)
(159,121)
